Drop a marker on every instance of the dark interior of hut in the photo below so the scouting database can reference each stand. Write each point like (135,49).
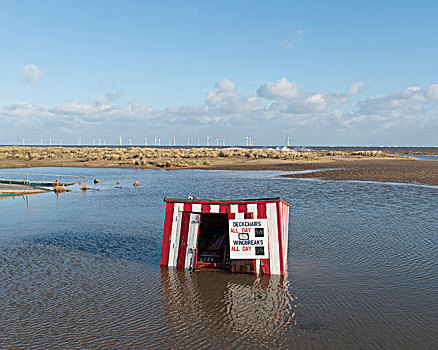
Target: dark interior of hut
(213,243)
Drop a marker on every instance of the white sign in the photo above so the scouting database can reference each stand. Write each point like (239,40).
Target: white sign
(249,239)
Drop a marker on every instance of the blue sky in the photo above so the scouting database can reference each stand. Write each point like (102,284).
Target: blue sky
(322,73)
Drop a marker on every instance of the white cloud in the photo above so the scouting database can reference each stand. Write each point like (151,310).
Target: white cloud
(405,112)
(409,99)
(354,88)
(30,74)
(318,102)
(292,40)
(280,89)
(226,100)
(432,92)
(294,100)
(15,108)
(109,97)
(225,85)
(319,117)
(74,108)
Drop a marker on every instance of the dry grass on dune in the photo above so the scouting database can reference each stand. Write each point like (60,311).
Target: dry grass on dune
(158,157)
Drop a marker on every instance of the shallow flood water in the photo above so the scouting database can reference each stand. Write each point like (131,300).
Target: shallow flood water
(81,270)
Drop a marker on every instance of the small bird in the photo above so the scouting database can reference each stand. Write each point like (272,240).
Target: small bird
(96,181)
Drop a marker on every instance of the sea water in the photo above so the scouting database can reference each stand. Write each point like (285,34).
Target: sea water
(81,269)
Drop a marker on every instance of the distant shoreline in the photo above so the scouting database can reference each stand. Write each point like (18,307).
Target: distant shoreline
(412,150)
(359,165)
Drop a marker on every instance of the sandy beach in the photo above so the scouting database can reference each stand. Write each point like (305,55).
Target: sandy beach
(334,165)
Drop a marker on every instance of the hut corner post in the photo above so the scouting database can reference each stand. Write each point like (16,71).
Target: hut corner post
(165,247)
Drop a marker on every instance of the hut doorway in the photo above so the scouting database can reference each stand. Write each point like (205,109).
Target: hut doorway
(213,242)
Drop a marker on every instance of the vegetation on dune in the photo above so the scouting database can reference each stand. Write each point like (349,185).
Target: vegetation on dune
(161,157)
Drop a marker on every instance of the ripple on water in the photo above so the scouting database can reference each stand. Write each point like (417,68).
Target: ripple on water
(81,271)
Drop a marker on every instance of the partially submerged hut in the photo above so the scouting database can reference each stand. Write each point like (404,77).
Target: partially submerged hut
(247,235)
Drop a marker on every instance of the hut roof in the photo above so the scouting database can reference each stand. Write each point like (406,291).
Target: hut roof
(224,201)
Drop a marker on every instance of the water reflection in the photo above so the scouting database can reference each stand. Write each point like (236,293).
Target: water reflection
(228,309)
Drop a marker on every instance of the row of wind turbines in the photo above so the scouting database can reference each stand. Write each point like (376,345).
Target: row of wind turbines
(249,142)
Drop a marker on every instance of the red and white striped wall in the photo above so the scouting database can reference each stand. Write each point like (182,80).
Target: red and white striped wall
(181,229)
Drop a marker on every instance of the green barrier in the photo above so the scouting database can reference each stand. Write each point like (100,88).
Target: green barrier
(11,194)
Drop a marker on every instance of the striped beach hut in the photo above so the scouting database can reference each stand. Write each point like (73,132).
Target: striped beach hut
(247,235)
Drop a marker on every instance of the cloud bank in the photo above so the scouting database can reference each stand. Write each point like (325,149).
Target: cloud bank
(277,109)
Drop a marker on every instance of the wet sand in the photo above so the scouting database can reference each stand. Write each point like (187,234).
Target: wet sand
(381,170)
(359,166)
(395,170)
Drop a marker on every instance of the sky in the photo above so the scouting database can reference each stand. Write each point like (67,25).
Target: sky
(317,72)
